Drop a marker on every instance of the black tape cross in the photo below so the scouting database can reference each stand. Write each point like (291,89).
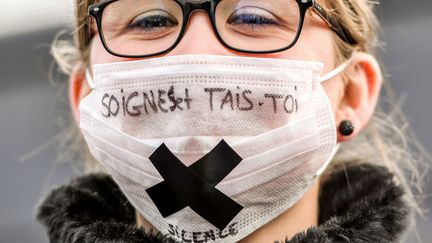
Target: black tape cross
(194,186)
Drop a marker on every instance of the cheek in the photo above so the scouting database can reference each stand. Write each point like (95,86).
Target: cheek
(315,44)
(334,90)
(99,55)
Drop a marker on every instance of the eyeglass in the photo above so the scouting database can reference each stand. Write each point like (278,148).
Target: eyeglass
(143,28)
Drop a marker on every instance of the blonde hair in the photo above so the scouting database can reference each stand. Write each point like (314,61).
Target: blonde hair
(387,140)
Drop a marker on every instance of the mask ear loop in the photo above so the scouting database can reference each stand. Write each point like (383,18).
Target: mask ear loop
(337,70)
(326,77)
(330,159)
(89,79)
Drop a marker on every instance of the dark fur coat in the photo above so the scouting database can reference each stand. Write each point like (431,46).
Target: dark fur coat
(360,203)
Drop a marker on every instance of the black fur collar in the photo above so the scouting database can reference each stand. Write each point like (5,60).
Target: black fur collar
(359,204)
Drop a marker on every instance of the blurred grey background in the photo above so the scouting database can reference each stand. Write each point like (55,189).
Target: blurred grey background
(30,107)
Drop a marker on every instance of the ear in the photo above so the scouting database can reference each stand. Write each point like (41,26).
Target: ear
(78,88)
(363,85)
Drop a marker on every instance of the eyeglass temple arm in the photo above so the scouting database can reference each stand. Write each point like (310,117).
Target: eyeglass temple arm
(340,30)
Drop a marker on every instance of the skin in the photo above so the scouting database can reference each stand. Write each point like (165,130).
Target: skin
(352,99)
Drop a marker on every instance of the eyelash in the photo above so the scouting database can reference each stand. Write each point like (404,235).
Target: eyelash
(247,18)
(160,20)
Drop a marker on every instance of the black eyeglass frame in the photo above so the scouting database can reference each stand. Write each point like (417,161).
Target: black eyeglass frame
(96,10)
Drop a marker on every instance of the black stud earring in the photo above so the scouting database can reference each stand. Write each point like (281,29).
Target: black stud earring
(346,128)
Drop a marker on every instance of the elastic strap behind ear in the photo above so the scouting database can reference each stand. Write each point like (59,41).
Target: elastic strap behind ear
(337,70)
(89,79)
(330,159)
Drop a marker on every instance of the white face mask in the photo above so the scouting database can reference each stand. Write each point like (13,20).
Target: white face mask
(210,148)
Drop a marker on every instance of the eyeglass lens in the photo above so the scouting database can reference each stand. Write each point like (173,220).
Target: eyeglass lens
(145,27)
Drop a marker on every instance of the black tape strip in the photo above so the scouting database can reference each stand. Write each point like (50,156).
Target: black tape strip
(217,164)
(194,186)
